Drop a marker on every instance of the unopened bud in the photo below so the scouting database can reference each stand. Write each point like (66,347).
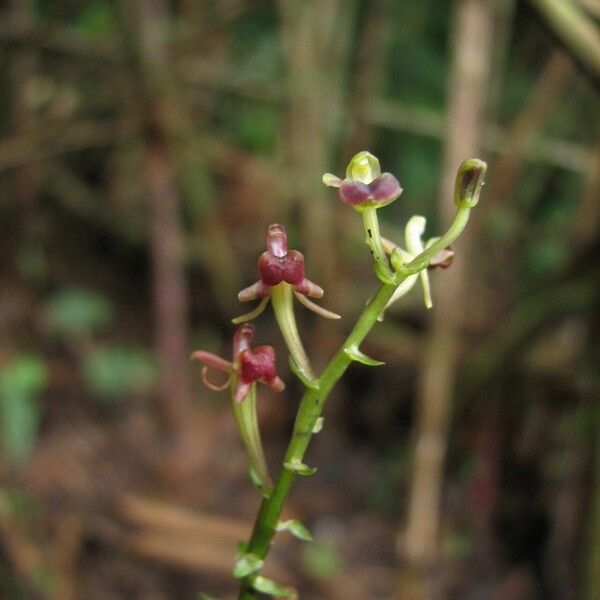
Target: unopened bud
(469,180)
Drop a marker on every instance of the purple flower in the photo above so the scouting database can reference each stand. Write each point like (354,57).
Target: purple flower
(365,186)
(249,365)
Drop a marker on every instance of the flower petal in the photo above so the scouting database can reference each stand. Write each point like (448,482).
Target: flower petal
(323,312)
(331,180)
(212,360)
(254,292)
(259,309)
(309,288)
(385,189)
(354,192)
(213,386)
(258,363)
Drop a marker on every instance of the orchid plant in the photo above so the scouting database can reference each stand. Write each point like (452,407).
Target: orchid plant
(282,277)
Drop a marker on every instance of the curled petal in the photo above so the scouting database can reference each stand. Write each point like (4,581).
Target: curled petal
(323,312)
(213,361)
(254,292)
(253,313)
(331,180)
(307,287)
(213,386)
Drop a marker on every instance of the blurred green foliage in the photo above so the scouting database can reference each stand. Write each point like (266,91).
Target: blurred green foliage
(114,372)
(77,312)
(21,382)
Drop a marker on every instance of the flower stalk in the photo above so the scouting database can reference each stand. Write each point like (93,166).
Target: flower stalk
(282,276)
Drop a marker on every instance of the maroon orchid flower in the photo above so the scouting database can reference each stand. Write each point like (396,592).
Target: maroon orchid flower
(249,365)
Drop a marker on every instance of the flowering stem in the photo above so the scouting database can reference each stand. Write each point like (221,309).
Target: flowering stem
(309,411)
(283,307)
(422,260)
(247,422)
(375,242)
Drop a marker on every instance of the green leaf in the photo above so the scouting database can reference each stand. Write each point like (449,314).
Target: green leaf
(355,354)
(296,528)
(26,375)
(203,596)
(300,468)
(21,381)
(268,586)
(246,564)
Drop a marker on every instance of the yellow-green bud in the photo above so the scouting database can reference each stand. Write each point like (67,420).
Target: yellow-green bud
(363,167)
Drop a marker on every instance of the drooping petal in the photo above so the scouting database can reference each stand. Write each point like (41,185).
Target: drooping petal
(414,230)
(323,312)
(255,312)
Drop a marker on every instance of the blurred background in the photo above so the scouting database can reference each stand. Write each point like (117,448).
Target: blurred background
(146,145)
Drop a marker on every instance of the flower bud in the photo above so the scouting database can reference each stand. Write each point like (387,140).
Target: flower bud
(469,180)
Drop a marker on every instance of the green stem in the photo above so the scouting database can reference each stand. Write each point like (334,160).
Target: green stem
(421,261)
(247,422)
(309,411)
(282,299)
(371,224)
